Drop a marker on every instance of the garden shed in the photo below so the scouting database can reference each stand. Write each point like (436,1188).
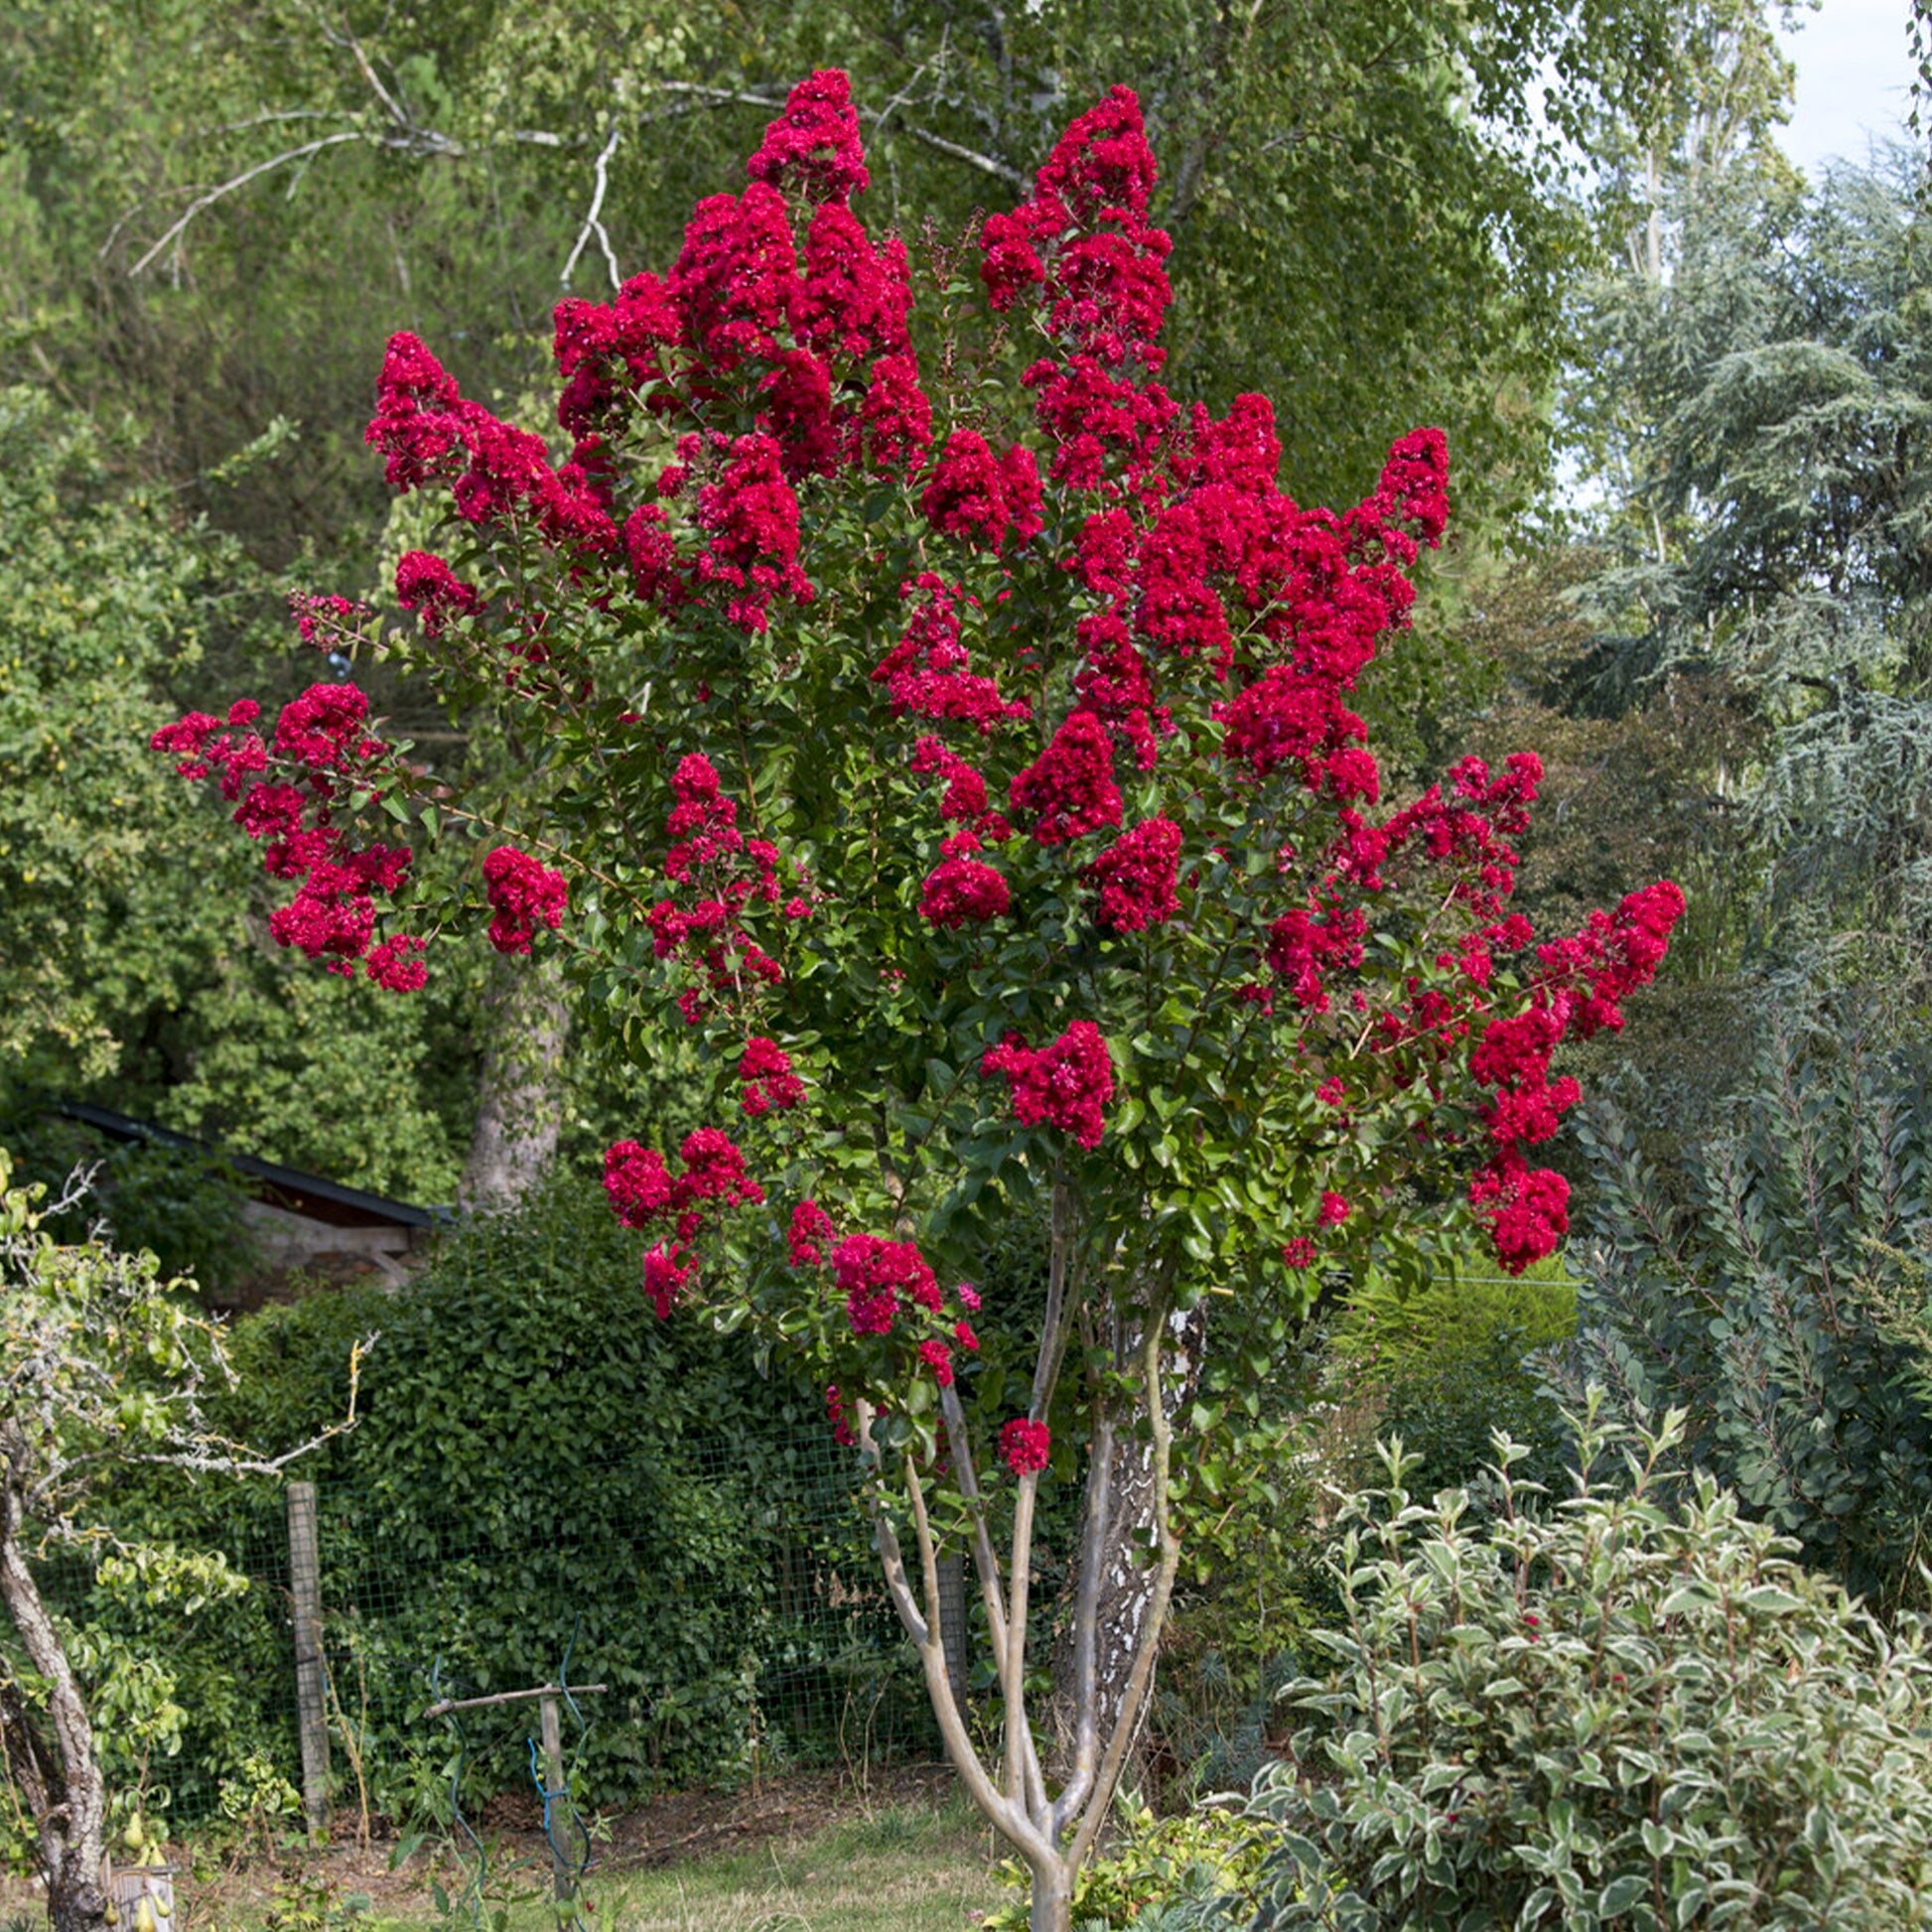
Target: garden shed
(298,1223)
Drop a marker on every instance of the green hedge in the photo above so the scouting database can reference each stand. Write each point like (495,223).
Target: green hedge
(537,1459)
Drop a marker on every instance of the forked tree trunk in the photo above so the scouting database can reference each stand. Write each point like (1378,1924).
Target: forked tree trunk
(518,1105)
(1129,1570)
(74,1822)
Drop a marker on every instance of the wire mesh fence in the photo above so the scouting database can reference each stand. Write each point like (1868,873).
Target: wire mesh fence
(730,1605)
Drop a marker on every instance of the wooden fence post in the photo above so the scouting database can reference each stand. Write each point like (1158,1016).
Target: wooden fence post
(553,1759)
(305,1591)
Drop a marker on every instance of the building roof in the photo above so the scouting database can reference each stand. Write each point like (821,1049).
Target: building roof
(308,1193)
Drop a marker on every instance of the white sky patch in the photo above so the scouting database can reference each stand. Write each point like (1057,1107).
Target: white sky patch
(1855,80)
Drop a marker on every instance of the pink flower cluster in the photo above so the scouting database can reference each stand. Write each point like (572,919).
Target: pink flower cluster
(321,750)
(769,1084)
(1070,789)
(523,895)
(1065,1085)
(1026,1446)
(325,622)
(1137,877)
(925,672)
(643,1193)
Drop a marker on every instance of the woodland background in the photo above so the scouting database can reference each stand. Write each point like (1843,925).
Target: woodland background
(1688,392)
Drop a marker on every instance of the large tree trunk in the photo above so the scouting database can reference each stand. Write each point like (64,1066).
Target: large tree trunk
(518,1106)
(73,1825)
(1127,1562)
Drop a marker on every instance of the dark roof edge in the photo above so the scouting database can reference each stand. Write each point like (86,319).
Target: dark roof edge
(126,1128)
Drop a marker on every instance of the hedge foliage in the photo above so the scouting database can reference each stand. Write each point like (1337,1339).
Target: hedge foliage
(537,1459)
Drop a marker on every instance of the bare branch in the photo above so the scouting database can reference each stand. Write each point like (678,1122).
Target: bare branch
(892,1559)
(212,196)
(985,162)
(593,222)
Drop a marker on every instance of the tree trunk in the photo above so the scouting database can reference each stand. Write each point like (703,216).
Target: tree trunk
(1052,1909)
(73,1830)
(1129,1566)
(518,1107)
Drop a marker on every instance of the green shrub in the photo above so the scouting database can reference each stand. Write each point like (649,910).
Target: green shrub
(539,1460)
(1629,1710)
(1208,1858)
(1446,1367)
(1749,1288)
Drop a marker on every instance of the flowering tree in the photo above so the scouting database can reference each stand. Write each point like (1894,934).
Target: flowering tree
(951,734)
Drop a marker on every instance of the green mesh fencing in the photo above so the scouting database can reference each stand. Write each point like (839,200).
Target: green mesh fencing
(731,1607)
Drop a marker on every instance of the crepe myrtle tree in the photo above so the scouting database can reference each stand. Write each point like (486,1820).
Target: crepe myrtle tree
(948,735)
(105,1365)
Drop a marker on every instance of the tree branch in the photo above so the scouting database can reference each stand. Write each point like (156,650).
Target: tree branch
(593,222)
(209,199)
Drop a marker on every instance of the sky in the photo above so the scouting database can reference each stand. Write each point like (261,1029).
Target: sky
(1853,79)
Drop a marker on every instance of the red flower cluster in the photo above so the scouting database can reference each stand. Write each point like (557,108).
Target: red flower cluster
(980,497)
(841,1423)
(1065,1085)
(1070,789)
(1026,1446)
(1306,946)
(875,1273)
(962,891)
(1085,244)
(813,148)
(1137,875)
(937,1356)
(321,744)
(753,515)
(925,672)
(811,1226)
(429,587)
(643,1193)
(729,871)
(964,799)
(768,1081)
(497,475)
(523,895)
(1584,979)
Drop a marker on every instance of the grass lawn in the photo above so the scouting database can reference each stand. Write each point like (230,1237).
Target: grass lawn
(808,1858)
(900,1870)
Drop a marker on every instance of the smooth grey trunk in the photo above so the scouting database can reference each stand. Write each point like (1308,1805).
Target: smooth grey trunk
(72,1827)
(1125,1555)
(518,1106)
(1052,1831)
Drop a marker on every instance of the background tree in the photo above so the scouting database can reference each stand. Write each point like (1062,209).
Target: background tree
(107,1366)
